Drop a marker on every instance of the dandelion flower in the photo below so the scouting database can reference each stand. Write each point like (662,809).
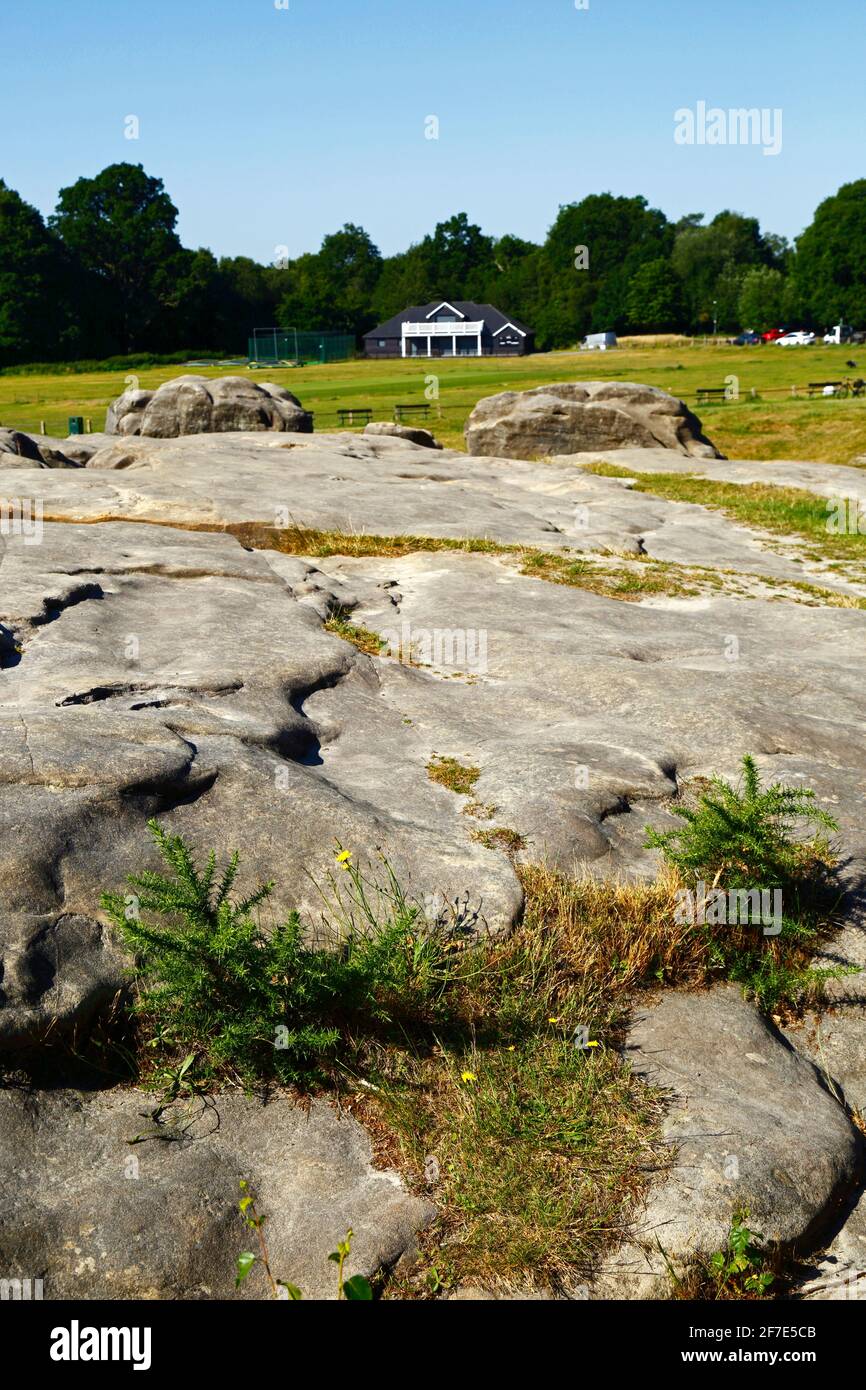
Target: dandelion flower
(468,1077)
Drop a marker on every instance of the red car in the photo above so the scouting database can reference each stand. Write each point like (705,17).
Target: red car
(773,334)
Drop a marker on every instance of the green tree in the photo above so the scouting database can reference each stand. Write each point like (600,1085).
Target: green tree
(762,299)
(711,260)
(36,318)
(459,256)
(655,301)
(592,251)
(829,264)
(333,288)
(120,226)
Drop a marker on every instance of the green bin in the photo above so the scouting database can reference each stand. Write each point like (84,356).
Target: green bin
(76,424)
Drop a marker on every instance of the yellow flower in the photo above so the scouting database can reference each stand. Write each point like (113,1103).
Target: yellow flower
(592,1044)
(469,1076)
(343,857)
(510,1049)
(553,1020)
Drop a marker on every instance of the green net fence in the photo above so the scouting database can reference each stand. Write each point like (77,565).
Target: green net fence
(268,345)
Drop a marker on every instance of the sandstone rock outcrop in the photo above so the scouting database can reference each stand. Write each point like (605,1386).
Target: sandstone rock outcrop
(165,669)
(206,405)
(581,416)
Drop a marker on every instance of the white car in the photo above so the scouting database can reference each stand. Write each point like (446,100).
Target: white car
(797,339)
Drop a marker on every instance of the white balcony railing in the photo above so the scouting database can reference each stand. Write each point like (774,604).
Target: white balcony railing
(444,330)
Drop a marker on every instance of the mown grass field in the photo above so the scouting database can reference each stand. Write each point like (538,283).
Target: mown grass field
(774,425)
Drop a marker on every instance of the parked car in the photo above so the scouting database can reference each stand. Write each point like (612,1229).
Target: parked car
(772,335)
(746,339)
(799,338)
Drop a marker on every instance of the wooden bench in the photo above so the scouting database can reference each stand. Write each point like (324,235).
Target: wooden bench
(820,386)
(712,393)
(363,412)
(401,410)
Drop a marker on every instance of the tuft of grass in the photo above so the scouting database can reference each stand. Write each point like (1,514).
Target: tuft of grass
(643,579)
(361,637)
(500,837)
(448,772)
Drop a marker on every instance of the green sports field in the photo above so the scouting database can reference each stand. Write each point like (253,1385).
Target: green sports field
(772,424)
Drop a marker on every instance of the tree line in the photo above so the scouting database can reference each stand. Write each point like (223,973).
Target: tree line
(107,274)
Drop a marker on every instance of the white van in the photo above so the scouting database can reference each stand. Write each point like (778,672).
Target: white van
(598,342)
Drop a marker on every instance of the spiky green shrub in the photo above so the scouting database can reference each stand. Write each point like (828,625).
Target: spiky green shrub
(267,1005)
(751,837)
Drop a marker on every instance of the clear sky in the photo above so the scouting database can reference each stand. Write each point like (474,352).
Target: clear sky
(272,126)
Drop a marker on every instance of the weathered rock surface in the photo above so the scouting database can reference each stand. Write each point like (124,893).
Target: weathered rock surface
(752,1127)
(18,450)
(388,486)
(98,1217)
(412,433)
(206,405)
(570,417)
(840,1272)
(148,669)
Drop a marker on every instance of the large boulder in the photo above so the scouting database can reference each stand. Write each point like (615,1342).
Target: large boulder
(204,405)
(580,416)
(753,1126)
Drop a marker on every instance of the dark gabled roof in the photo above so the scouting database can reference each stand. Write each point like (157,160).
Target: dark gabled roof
(493,317)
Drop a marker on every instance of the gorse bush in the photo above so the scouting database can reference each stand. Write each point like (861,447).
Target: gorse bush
(754,838)
(743,836)
(268,1005)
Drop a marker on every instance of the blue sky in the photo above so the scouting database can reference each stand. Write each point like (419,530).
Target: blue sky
(271,127)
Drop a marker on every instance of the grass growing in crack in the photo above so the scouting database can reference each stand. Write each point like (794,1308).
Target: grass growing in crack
(645,579)
(634,578)
(341,625)
(784,511)
(500,837)
(448,772)
(318,544)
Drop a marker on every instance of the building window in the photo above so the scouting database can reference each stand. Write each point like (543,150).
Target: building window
(381,342)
